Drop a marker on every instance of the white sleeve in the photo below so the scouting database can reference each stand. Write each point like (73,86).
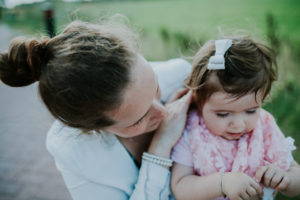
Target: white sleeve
(92,191)
(88,190)
(153,184)
(88,178)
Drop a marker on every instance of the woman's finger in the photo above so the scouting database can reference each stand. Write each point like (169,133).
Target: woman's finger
(183,103)
(187,98)
(177,94)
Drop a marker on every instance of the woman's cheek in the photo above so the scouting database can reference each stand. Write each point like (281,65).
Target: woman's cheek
(136,130)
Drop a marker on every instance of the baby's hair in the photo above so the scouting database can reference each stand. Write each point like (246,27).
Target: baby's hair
(82,72)
(250,66)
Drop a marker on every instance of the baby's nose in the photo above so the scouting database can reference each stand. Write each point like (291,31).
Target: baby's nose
(237,123)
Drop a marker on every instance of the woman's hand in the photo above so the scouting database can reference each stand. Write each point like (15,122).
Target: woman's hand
(172,126)
(237,185)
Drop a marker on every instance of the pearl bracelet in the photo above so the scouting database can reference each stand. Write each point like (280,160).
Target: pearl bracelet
(165,162)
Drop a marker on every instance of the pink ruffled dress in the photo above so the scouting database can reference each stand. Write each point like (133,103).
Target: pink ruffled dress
(207,153)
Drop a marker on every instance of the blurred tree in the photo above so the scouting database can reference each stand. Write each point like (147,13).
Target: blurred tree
(272,32)
(2,5)
(49,18)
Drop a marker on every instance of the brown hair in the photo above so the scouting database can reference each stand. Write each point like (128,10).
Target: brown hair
(82,72)
(250,66)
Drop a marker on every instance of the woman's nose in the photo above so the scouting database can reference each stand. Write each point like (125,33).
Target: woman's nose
(160,110)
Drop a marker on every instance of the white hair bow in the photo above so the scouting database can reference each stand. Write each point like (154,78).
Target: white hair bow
(217,61)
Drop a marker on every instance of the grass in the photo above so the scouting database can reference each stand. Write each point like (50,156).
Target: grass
(169,27)
(286,109)
(201,20)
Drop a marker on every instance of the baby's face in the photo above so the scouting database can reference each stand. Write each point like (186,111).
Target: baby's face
(229,117)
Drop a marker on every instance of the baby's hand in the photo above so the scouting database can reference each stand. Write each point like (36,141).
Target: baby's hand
(272,176)
(237,185)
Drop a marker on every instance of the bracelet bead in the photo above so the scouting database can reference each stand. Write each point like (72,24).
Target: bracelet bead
(165,162)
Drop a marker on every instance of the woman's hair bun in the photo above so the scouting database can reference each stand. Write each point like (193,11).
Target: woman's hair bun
(21,65)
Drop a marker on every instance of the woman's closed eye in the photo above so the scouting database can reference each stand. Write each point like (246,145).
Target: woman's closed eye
(138,122)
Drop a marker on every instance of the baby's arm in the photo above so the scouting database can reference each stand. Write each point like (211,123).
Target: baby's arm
(287,182)
(186,185)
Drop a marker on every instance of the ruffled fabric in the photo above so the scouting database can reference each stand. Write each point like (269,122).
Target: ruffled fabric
(208,153)
(263,146)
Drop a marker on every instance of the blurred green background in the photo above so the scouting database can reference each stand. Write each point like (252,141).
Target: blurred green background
(176,28)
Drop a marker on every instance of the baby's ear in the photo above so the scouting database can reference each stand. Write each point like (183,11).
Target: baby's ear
(194,96)
(196,102)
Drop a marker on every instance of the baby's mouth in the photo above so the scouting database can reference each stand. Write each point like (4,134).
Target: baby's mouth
(236,135)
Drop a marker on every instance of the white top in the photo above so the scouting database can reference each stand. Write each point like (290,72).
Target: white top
(98,166)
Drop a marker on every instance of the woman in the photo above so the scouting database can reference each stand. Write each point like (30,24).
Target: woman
(108,102)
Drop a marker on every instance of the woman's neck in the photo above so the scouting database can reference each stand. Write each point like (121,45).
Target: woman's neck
(137,145)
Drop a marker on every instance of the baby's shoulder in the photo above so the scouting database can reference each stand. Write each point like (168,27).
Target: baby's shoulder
(266,117)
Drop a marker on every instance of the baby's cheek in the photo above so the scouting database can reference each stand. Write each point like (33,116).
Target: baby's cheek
(216,128)
(252,125)
(221,127)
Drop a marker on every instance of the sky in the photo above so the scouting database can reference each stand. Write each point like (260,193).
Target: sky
(12,3)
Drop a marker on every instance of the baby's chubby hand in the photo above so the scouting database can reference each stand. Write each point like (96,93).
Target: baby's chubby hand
(237,185)
(272,176)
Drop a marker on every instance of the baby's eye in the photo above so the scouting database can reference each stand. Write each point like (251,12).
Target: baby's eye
(251,111)
(222,114)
